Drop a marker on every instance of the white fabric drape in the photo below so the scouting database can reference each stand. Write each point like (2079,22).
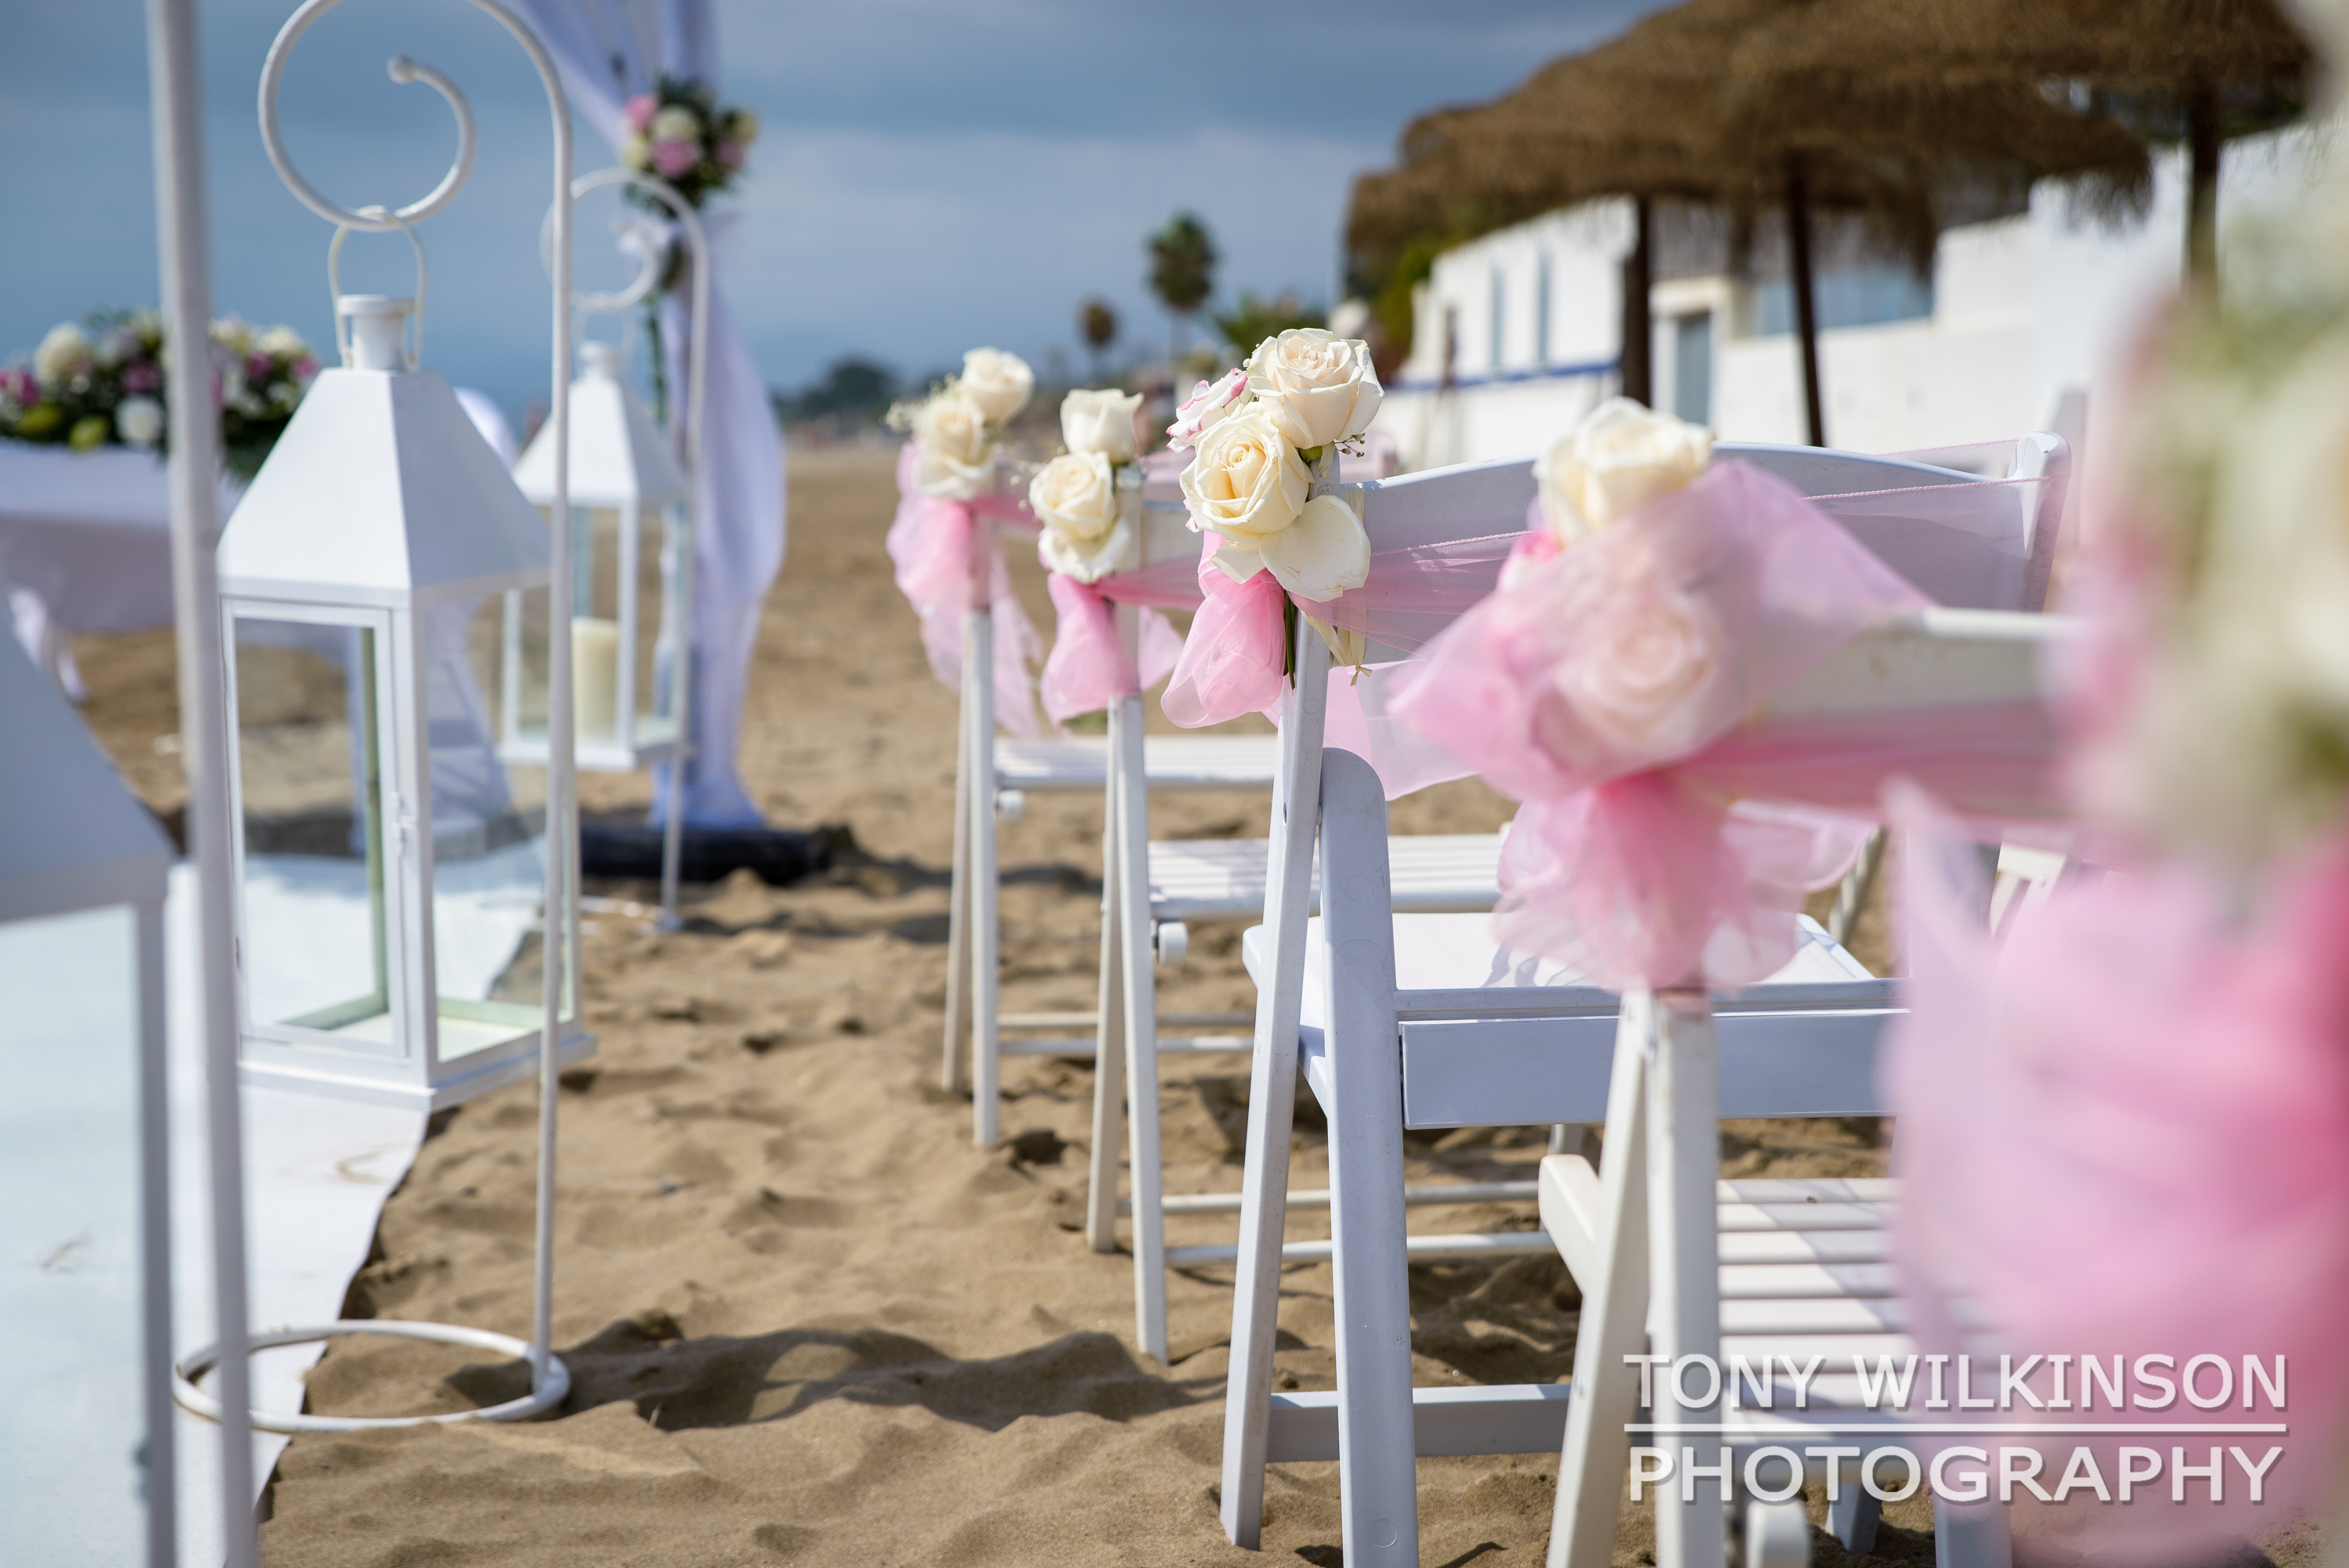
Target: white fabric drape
(608,51)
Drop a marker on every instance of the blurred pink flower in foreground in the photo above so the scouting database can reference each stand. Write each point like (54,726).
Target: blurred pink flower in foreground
(675,157)
(640,110)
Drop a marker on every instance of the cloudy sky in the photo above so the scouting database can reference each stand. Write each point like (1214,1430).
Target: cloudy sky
(932,174)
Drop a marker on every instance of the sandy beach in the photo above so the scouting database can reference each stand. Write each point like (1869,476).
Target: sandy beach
(808,1320)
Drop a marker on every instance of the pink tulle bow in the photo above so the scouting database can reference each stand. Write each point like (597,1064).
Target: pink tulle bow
(1582,684)
(1232,662)
(2126,1133)
(948,564)
(1089,666)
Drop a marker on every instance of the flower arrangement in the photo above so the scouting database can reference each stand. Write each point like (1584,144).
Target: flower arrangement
(957,427)
(680,132)
(2214,707)
(100,383)
(1253,435)
(1088,524)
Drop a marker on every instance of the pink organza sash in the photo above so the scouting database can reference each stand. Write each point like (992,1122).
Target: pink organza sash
(1596,684)
(948,563)
(1233,660)
(2126,1132)
(1089,667)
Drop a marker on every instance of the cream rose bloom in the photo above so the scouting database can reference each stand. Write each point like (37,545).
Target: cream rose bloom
(997,384)
(63,354)
(1245,480)
(1643,686)
(1086,526)
(676,123)
(1620,458)
(1100,422)
(1320,555)
(1316,386)
(957,460)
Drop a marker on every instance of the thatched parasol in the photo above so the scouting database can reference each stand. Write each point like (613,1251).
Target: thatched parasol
(2196,71)
(1646,116)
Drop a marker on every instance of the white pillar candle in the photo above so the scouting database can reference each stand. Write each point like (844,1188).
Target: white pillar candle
(596,677)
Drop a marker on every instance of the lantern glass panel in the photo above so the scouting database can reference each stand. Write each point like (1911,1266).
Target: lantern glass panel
(72,1428)
(311,759)
(623,644)
(489,834)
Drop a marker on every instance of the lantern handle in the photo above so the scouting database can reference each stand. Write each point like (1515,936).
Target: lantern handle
(415,352)
(401,69)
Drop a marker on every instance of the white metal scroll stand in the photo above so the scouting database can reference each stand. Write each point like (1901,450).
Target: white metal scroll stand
(550,1379)
(697,394)
(175,86)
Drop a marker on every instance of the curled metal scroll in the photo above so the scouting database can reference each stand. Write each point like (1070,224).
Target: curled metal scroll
(372,220)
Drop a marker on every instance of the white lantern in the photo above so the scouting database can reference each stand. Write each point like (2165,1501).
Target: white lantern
(391,881)
(631,541)
(85,1434)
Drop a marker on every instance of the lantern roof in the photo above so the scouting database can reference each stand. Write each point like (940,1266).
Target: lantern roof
(382,492)
(76,837)
(617,453)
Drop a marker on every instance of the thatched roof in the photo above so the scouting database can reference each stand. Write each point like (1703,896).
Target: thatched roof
(1651,114)
(2141,52)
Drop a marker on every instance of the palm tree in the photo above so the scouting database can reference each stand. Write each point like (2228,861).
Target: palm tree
(1182,270)
(1098,324)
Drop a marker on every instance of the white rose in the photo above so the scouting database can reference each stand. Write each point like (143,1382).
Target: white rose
(138,421)
(637,153)
(233,332)
(1100,422)
(1208,403)
(676,123)
(1620,458)
(1087,529)
(63,354)
(1076,495)
(1317,387)
(282,343)
(997,383)
(957,460)
(1245,480)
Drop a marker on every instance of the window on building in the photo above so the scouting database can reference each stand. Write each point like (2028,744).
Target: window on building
(1693,367)
(1869,297)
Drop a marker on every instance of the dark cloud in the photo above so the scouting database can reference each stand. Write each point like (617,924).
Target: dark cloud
(932,173)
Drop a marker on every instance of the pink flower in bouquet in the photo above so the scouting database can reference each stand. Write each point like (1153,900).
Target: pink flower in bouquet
(20,386)
(1208,402)
(305,369)
(141,377)
(639,112)
(258,368)
(674,158)
(730,155)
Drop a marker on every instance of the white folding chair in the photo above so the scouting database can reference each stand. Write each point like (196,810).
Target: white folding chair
(1416,1022)
(994,774)
(2000,560)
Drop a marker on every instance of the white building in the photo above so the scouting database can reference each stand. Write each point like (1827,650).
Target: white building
(1517,332)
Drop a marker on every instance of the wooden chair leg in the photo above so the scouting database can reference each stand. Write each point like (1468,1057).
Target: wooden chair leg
(1272,1092)
(986,890)
(1684,1254)
(1149,1228)
(1378,1488)
(1108,1050)
(951,1077)
(1614,1325)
